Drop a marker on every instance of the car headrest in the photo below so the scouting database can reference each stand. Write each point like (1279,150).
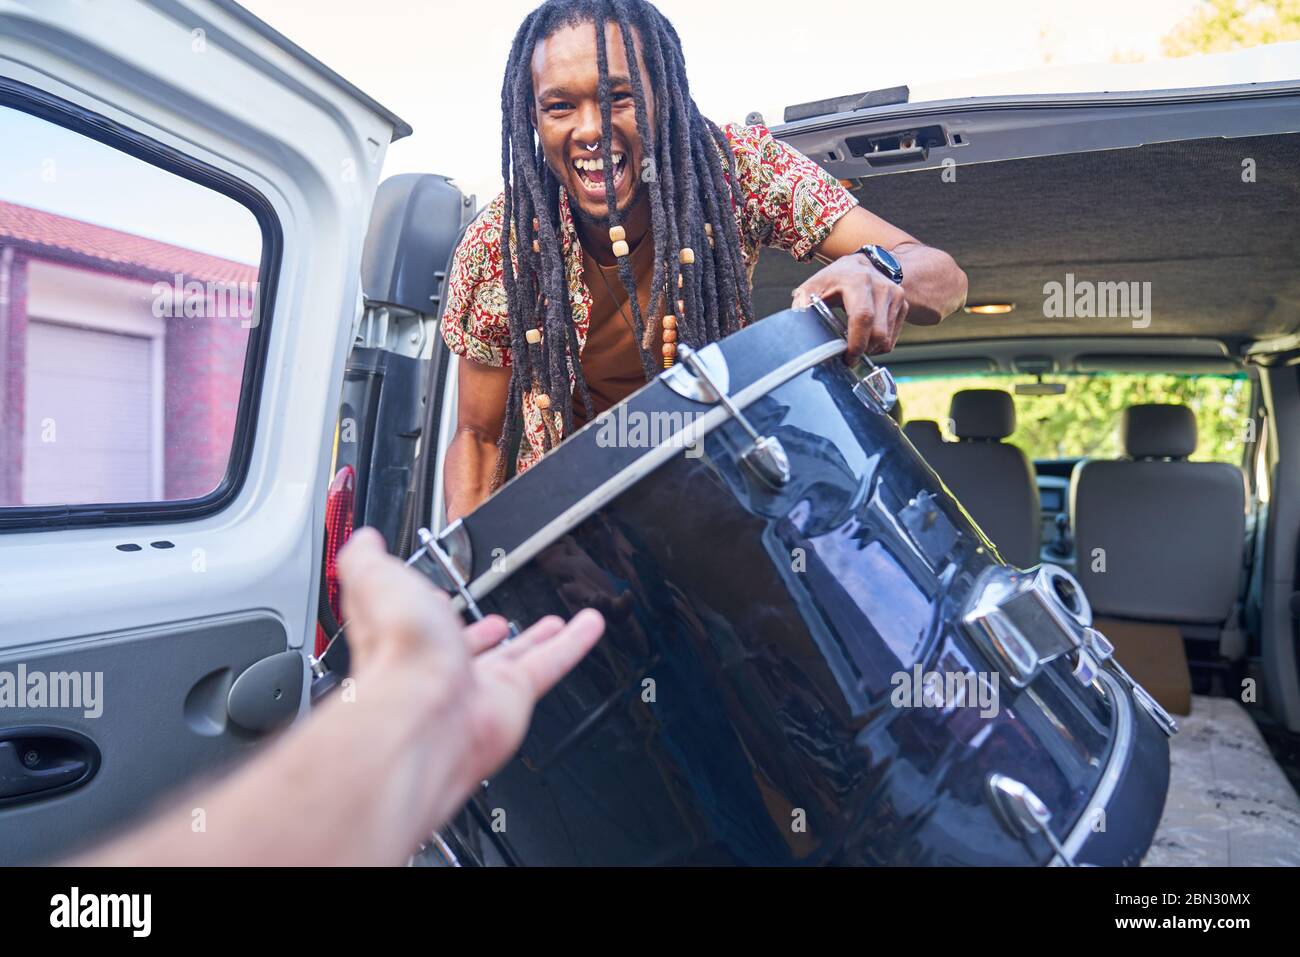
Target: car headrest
(923,433)
(982,414)
(1158,431)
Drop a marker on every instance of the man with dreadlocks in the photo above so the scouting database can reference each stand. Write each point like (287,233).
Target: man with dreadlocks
(631,223)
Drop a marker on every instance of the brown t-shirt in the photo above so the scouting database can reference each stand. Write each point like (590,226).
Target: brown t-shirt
(611,357)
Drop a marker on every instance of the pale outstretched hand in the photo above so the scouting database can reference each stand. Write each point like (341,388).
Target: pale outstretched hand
(477,694)
(430,710)
(510,678)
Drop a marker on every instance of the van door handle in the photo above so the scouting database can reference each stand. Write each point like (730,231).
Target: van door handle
(891,157)
(38,762)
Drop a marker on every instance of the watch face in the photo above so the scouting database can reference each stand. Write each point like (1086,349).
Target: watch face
(888,261)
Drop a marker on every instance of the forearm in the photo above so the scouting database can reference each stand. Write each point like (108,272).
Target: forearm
(934,284)
(391,755)
(470,467)
(338,789)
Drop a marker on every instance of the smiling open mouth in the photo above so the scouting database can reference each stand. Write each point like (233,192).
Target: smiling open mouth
(591,173)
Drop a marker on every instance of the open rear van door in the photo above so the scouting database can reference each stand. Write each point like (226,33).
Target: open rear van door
(183,200)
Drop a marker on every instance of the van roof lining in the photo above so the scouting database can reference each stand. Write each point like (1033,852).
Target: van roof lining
(1220,253)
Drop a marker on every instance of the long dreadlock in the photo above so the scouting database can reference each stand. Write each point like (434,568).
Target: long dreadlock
(693,183)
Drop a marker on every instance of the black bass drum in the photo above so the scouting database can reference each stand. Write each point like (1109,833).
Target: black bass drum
(812,655)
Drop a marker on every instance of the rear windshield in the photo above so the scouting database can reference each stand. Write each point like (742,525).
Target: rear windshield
(1083,420)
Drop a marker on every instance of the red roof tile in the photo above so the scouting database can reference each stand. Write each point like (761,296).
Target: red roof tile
(123,251)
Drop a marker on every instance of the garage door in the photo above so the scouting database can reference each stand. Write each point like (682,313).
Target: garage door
(88,416)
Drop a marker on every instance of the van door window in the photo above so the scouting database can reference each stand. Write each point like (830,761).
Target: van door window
(128,295)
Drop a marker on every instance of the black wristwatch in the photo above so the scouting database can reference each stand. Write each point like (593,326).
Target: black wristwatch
(884,260)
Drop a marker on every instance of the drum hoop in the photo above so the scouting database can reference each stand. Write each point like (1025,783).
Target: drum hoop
(1109,781)
(603,494)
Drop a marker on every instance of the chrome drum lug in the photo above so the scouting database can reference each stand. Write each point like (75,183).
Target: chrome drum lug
(1023,813)
(765,456)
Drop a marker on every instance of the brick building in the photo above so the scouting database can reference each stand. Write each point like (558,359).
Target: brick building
(121,360)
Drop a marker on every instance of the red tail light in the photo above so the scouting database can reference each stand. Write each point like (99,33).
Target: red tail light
(338,528)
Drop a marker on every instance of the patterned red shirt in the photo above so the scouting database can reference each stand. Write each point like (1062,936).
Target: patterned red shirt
(790,203)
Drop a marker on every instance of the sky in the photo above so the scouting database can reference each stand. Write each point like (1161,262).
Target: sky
(48,167)
(438,63)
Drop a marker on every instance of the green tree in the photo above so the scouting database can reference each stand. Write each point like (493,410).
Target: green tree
(1083,421)
(1221,25)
